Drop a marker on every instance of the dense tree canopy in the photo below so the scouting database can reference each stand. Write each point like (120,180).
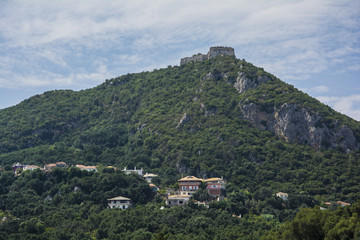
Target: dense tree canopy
(174,121)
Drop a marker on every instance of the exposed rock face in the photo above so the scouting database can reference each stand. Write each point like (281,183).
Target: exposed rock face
(243,83)
(295,124)
(184,119)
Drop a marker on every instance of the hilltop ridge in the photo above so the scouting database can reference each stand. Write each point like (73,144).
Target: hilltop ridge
(213,52)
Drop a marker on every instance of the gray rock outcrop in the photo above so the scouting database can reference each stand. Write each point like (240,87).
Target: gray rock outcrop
(296,124)
(243,83)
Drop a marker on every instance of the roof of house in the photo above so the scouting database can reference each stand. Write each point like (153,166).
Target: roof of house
(191,178)
(343,203)
(150,175)
(61,163)
(32,166)
(281,193)
(119,198)
(85,167)
(152,185)
(212,179)
(179,196)
(50,165)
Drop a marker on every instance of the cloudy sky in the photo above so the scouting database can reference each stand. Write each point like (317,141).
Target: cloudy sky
(47,45)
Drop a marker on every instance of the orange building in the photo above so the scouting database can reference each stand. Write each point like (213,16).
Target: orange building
(188,185)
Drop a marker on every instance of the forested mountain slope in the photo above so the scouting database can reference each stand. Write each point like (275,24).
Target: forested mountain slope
(221,117)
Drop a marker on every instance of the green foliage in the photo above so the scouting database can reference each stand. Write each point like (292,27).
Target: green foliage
(343,223)
(135,121)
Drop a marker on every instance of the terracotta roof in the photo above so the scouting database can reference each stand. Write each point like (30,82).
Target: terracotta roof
(51,165)
(343,203)
(119,198)
(152,185)
(190,178)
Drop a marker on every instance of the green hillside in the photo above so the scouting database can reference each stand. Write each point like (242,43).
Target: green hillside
(134,120)
(194,120)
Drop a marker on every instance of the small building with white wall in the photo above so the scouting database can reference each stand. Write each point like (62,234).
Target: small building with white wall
(119,202)
(283,196)
(149,176)
(137,171)
(177,200)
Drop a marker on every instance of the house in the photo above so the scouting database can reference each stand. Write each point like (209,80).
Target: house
(215,186)
(87,168)
(177,200)
(283,196)
(1,169)
(343,204)
(51,166)
(153,187)
(119,202)
(137,171)
(188,185)
(61,164)
(32,167)
(17,166)
(149,176)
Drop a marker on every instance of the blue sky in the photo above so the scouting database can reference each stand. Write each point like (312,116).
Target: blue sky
(47,45)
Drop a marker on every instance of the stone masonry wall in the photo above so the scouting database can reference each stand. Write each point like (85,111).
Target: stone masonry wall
(213,52)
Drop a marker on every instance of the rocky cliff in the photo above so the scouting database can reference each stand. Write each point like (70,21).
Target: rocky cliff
(292,122)
(296,124)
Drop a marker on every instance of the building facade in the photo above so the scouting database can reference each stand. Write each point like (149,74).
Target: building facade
(137,171)
(119,202)
(189,185)
(215,186)
(177,200)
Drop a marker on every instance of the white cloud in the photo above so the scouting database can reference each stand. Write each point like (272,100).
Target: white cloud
(320,89)
(43,41)
(349,105)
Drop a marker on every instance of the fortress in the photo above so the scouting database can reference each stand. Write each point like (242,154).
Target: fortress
(213,52)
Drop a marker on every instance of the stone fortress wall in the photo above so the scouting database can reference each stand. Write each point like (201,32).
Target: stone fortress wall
(213,52)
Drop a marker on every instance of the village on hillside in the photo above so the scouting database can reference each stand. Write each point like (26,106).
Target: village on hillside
(215,187)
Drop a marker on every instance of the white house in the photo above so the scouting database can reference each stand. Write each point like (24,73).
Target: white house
(283,196)
(119,202)
(176,200)
(31,167)
(149,176)
(87,168)
(137,171)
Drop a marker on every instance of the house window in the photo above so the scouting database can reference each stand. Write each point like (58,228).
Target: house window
(190,187)
(214,186)
(181,202)
(123,206)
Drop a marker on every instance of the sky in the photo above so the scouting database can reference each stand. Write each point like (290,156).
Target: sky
(47,45)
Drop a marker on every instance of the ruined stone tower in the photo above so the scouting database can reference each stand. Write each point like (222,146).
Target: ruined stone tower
(213,52)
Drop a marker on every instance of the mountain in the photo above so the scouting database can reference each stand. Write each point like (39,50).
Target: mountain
(211,116)
(217,117)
